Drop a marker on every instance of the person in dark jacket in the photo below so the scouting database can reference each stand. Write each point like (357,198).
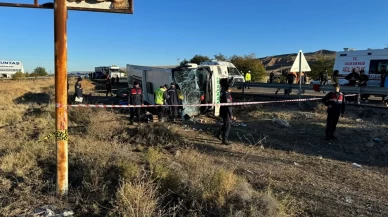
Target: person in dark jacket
(334,77)
(291,77)
(353,78)
(323,77)
(78,89)
(271,77)
(108,84)
(335,102)
(112,80)
(172,99)
(226,113)
(135,97)
(384,81)
(363,83)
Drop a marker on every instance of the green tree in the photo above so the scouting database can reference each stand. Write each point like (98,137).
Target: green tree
(321,64)
(18,75)
(39,71)
(183,62)
(250,63)
(199,58)
(221,57)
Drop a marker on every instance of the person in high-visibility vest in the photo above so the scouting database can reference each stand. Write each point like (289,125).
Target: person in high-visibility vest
(248,77)
(160,98)
(180,98)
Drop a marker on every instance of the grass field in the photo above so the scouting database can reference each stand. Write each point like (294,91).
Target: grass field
(182,170)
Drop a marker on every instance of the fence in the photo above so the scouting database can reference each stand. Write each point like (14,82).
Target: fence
(347,89)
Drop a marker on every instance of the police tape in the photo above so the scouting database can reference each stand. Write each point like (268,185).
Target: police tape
(191,105)
(187,105)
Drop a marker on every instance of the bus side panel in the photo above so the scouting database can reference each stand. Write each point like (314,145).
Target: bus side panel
(155,79)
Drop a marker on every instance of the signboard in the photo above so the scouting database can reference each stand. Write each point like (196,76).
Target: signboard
(304,65)
(110,6)
(10,67)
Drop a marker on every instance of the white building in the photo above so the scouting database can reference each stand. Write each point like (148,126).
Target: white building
(10,67)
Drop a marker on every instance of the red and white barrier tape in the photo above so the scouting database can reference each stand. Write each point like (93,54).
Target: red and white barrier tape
(189,105)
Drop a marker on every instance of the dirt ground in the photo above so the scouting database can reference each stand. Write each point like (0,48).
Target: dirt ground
(314,177)
(296,160)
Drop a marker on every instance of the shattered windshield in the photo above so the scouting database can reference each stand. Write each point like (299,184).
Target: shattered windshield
(233,71)
(192,83)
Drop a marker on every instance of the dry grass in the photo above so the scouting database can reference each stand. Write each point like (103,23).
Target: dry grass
(163,170)
(108,174)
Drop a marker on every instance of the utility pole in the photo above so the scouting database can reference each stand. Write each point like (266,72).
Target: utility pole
(60,40)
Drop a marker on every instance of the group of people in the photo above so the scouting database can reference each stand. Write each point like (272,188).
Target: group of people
(109,82)
(164,95)
(290,78)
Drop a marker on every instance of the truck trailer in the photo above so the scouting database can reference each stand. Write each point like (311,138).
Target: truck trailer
(112,71)
(200,84)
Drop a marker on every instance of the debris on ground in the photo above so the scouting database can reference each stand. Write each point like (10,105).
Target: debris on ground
(48,211)
(376,140)
(281,122)
(357,165)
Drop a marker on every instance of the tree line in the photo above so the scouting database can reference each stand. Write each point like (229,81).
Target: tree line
(38,71)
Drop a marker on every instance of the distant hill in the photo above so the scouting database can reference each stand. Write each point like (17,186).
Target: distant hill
(285,61)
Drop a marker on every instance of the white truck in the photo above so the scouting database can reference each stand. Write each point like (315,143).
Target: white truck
(234,74)
(199,83)
(370,60)
(112,71)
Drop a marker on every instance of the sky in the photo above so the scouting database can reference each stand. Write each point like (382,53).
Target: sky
(161,31)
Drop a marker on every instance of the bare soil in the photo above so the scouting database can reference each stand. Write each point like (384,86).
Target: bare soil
(114,169)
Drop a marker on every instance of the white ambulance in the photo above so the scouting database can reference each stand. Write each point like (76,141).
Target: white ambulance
(370,60)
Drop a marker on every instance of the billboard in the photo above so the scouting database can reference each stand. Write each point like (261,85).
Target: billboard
(110,6)
(10,67)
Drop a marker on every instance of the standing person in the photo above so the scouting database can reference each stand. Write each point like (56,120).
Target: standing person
(353,79)
(363,83)
(172,100)
(180,98)
(248,77)
(302,79)
(384,81)
(335,102)
(117,80)
(291,77)
(334,77)
(160,100)
(108,84)
(226,114)
(112,79)
(283,79)
(323,77)
(135,97)
(271,76)
(78,95)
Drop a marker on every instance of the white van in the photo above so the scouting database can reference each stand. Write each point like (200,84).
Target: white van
(371,61)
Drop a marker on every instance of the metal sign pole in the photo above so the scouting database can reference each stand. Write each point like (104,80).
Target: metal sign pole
(60,39)
(300,77)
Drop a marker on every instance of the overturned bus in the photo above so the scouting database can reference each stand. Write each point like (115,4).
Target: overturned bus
(200,84)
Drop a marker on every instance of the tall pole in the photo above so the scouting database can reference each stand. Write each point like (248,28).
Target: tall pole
(60,39)
(300,78)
